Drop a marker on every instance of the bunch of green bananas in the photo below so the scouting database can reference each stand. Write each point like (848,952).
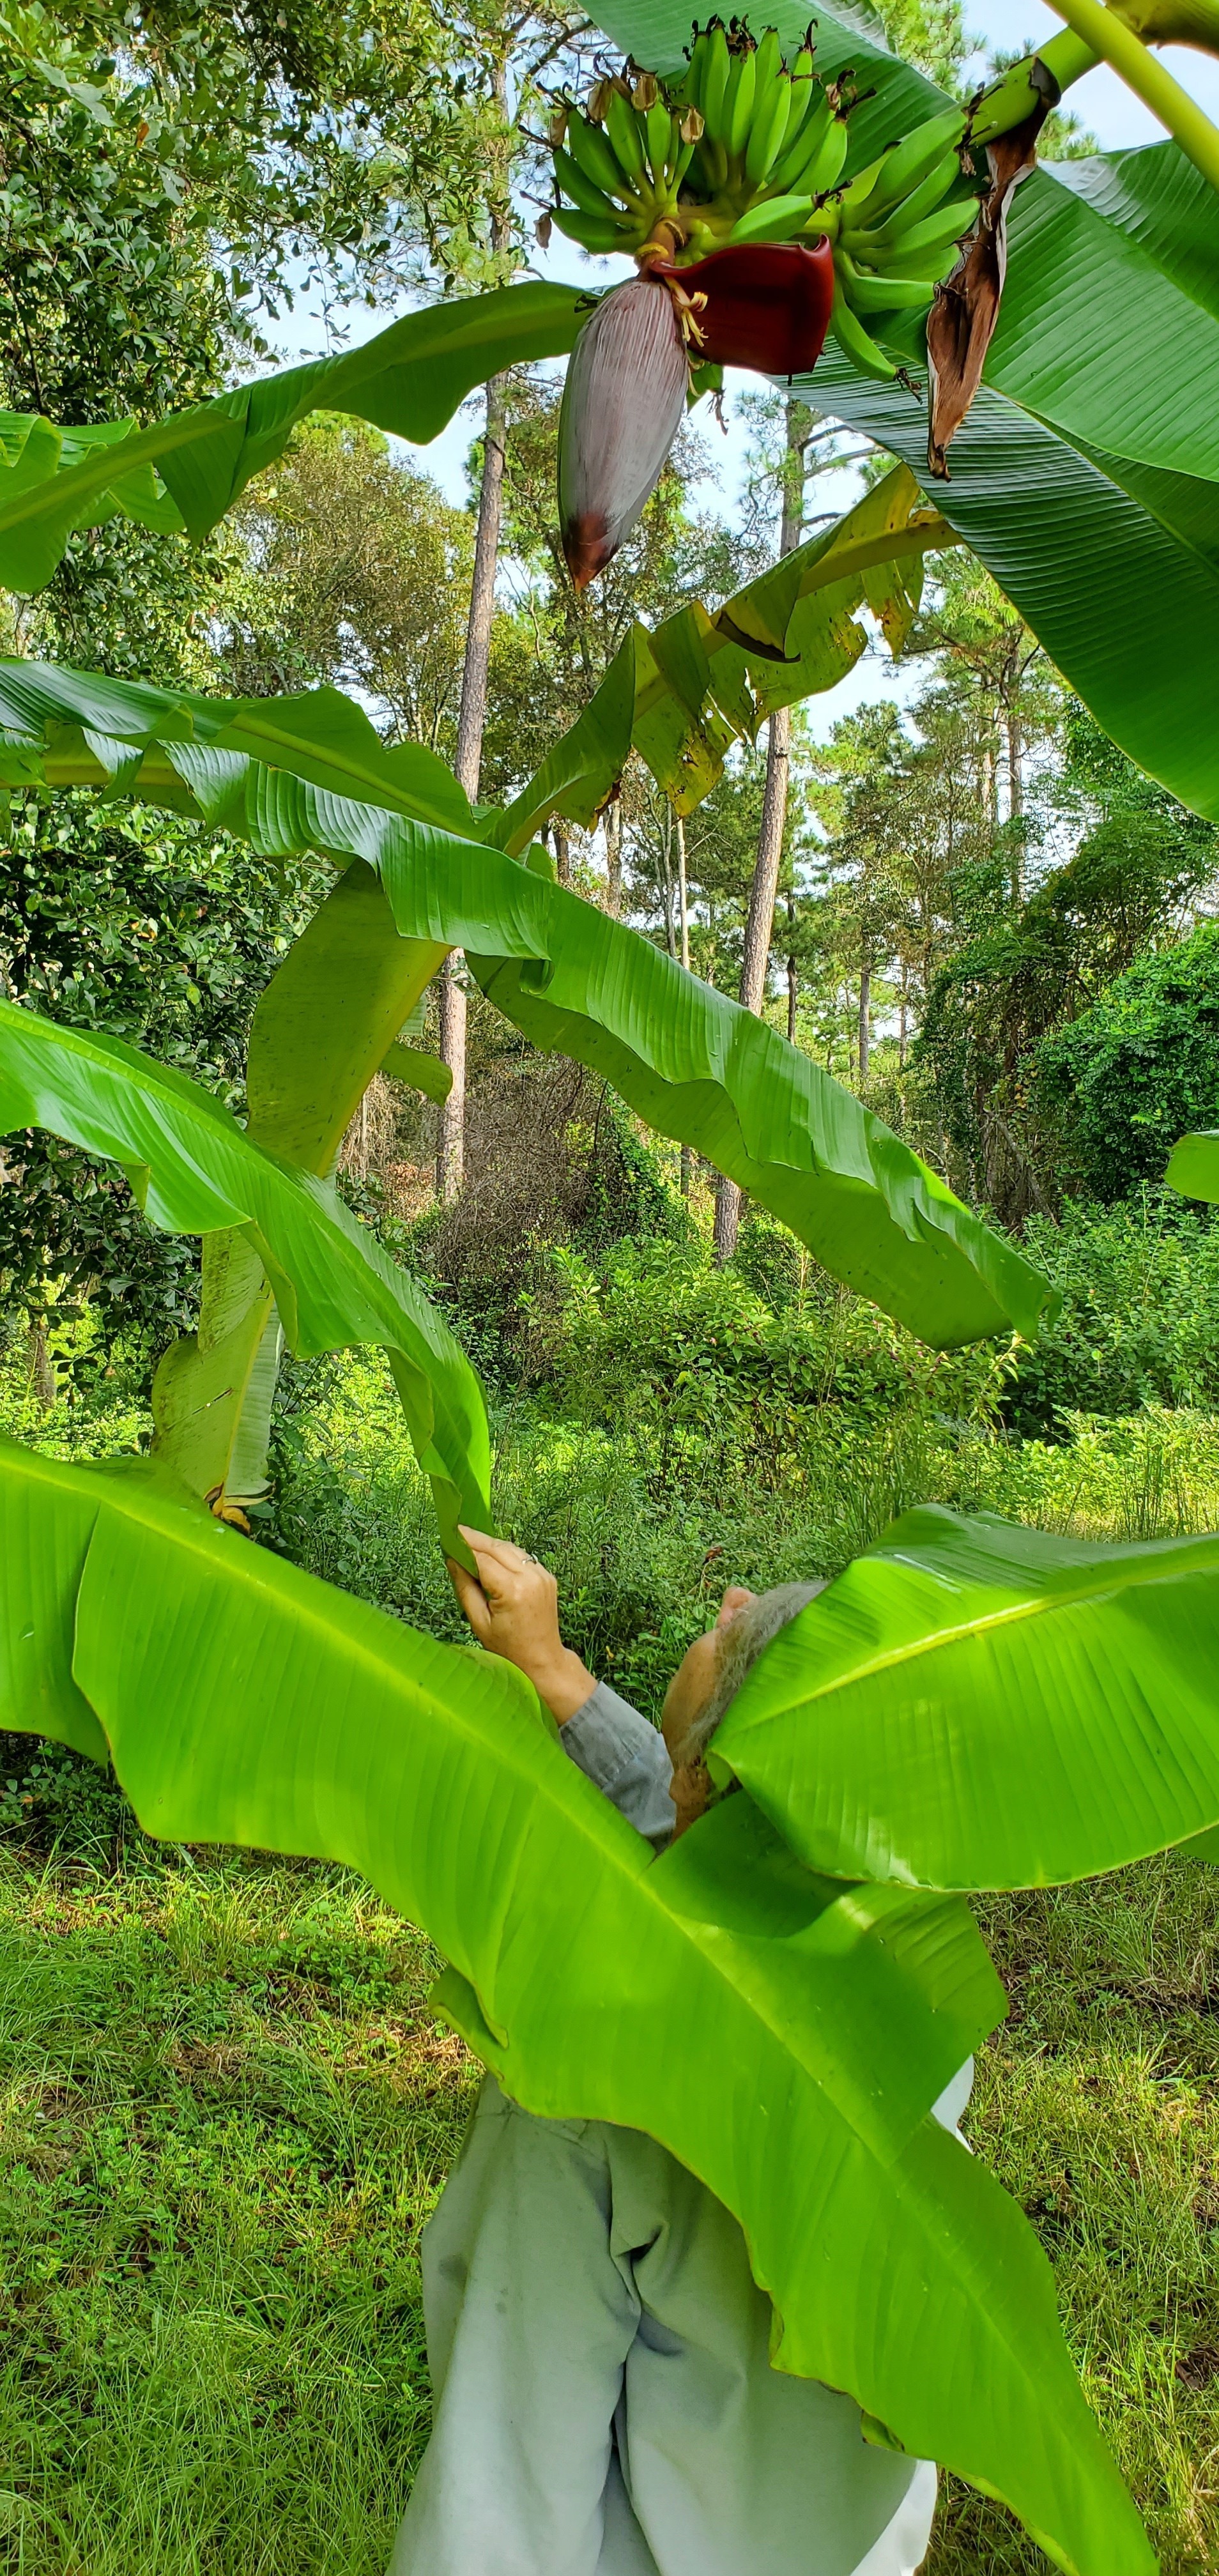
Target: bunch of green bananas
(738,150)
(895,230)
(747,148)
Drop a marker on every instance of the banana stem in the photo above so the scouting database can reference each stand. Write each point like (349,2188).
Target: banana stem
(1066,58)
(1117,45)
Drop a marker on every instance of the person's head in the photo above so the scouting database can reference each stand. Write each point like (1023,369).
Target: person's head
(709,1676)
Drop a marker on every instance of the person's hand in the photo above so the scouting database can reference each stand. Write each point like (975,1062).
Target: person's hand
(513,1610)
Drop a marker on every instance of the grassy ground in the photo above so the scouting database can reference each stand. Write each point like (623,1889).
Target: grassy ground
(226,2112)
(225,2109)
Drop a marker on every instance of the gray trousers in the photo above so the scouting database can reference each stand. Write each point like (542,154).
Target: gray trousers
(604,2400)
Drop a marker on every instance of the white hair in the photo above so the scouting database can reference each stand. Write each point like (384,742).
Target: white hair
(738,1647)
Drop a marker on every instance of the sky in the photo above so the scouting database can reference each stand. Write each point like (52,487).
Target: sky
(1102,104)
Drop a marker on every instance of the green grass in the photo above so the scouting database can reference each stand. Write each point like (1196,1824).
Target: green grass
(226,2113)
(227,2110)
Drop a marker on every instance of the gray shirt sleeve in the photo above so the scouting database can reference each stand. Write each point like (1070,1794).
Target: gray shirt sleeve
(618,1750)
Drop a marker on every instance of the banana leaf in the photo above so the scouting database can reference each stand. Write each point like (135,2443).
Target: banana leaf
(682,692)
(244,1701)
(194,1171)
(184,472)
(974,1705)
(1194,1166)
(692,1063)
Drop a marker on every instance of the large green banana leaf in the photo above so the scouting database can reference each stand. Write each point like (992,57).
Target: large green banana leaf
(187,470)
(1123,601)
(974,1705)
(194,1171)
(693,1063)
(77,728)
(785,2038)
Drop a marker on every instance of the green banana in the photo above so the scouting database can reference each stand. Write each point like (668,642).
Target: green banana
(740,104)
(716,74)
(908,163)
(856,344)
(800,96)
(857,192)
(931,266)
(623,128)
(591,232)
(799,155)
(582,192)
(921,203)
(767,131)
(692,85)
(661,136)
(826,167)
(869,294)
(934,233)
(776,219)
(597,157)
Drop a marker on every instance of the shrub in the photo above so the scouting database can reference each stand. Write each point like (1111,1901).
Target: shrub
(1140,1316)
(1130,1075)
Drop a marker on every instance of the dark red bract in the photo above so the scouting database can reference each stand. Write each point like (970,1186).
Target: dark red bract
(768,305)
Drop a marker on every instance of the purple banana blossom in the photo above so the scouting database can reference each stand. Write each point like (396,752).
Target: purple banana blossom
(622,407)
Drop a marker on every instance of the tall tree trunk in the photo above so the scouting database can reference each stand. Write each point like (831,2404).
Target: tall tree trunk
(683,899)
(901,1026)
(793,976)
(683,933)
(1015,781)
(666,872)
(760,919)
(472,715)
(865,1020)
(450,1154)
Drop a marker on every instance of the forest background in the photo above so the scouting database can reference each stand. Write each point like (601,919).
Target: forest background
(225,2110)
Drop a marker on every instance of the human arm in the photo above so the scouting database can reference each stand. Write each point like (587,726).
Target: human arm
(513,1610)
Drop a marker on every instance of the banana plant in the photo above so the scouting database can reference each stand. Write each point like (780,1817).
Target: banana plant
(806,1932)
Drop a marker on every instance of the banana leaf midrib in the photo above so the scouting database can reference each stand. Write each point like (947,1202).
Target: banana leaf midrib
(1045,1606)
(114,462)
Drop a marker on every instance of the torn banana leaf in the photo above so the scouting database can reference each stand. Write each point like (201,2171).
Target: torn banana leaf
(681,693)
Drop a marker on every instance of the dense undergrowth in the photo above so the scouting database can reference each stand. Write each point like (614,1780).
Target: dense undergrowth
(226,2108)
